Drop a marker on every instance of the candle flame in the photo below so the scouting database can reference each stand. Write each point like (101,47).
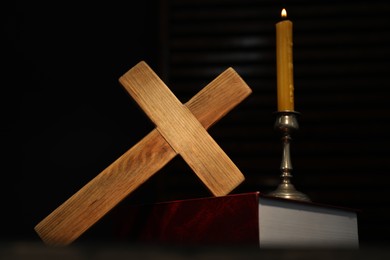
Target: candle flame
(284,13)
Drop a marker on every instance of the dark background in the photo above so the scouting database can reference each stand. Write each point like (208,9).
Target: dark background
(65,117)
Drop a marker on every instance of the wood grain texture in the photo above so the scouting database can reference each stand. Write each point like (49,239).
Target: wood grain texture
(182,130)
(77,214)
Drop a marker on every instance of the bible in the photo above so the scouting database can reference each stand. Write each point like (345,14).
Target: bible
(248,219)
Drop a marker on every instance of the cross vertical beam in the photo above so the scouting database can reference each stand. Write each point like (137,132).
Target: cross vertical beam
(182,130)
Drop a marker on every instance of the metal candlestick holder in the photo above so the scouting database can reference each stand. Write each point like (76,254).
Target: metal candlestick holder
(286,123)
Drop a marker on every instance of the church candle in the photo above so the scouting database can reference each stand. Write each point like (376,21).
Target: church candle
(284,64)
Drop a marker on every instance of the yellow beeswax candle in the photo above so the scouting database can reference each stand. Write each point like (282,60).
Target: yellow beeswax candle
(284,64)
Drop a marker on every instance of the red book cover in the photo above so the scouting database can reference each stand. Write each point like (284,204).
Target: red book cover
(231,219)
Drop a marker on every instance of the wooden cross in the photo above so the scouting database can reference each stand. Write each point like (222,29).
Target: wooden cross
(180,129)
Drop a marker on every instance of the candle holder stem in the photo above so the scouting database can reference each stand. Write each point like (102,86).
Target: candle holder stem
(286,123)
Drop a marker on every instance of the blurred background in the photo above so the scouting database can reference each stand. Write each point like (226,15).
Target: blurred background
(65,117)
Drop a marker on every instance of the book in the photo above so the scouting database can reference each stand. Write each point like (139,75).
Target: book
(250,219)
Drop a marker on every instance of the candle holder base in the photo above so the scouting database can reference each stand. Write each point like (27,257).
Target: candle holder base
(288,191)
